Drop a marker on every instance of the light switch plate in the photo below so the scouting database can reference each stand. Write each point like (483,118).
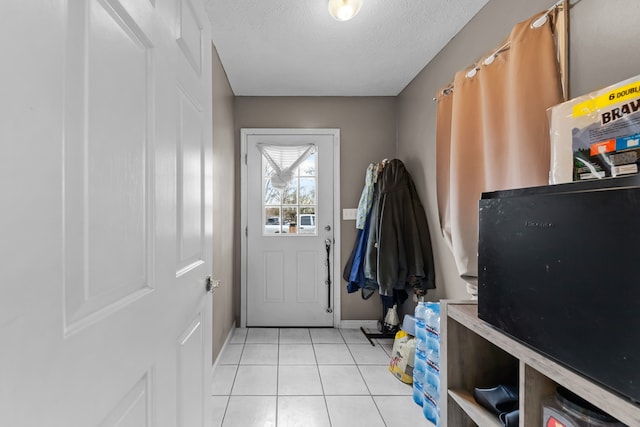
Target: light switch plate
(349,214)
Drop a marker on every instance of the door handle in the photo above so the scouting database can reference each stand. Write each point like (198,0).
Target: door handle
(327,227)
(327,245)
(211,285)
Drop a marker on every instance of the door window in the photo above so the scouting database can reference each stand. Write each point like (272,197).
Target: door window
(289,182)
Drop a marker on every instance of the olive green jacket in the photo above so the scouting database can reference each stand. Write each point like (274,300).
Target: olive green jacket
(399,254)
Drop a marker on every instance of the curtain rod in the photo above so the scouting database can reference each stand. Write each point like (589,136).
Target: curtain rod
(489,59)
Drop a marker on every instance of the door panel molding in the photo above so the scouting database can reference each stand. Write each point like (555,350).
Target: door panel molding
(135,408)
(190,35)
(190,176)
(107,160)
(190,375)
(273,274)
(307,261)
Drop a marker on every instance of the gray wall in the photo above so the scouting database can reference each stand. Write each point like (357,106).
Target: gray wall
(603,39)
(367,134)
(224,213)
(605,36)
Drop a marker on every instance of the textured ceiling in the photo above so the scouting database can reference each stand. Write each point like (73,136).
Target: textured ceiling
(295,48)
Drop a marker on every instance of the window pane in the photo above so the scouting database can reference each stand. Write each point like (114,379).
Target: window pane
(272,223)
(290,216)
(267,170)
(289,196)
(307,191)
(271,195)
(307,220)
(308,167)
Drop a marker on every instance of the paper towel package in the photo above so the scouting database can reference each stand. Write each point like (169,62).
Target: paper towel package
(596,135)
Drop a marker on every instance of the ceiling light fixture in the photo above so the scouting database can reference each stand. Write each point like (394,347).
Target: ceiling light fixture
(343,10)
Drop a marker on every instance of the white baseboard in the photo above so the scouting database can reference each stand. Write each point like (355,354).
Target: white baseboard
(224,346)
(356,324)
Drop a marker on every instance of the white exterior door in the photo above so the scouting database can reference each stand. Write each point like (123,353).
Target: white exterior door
(106,213)
(289,227)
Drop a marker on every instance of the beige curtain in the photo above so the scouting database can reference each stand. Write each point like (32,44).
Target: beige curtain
(493,129)
(443,159)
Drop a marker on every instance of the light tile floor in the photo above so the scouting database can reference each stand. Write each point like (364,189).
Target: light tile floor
(271,377)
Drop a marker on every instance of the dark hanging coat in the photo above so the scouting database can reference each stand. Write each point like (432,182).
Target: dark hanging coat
(399,253)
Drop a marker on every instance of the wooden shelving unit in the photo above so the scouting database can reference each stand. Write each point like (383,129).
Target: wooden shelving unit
(475,354)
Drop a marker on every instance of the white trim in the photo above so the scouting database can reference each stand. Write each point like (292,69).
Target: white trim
(337,233)
(243,224)
(337,260)
(224,346)
(356,324)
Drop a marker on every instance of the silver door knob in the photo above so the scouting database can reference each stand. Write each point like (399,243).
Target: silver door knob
(327,227)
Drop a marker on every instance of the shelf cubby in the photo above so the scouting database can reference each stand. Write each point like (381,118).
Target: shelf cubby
(475,354)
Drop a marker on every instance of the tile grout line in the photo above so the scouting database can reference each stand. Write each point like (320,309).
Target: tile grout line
(277,378)
(367,385)
(324,395)
(226,407)
(371,394)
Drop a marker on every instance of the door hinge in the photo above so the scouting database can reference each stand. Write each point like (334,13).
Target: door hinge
(245,159)
(246,231)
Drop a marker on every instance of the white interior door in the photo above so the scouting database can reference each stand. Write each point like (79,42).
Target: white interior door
(289,227)
(106,128)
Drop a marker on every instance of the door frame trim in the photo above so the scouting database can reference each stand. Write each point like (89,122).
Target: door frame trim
(337,258)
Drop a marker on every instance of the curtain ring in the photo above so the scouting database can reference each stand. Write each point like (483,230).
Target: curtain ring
(489,60)
(472,72)
(543,19)
(444,92)
(540,21)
